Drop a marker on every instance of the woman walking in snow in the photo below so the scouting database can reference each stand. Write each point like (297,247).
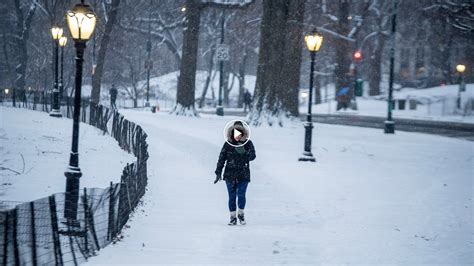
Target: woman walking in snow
(236,154)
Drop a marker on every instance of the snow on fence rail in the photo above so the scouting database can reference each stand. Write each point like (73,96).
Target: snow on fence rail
(34,233)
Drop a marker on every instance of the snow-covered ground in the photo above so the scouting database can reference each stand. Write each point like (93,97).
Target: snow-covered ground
(34,153)
(370,198)
(165,88)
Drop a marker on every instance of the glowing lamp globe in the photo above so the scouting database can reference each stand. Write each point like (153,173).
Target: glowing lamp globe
(63,41)
(313,41)
(460,68)
(57,32)
(81,21)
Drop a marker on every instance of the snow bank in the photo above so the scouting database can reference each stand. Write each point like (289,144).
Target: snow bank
(36,148)
(437,103)
(166,85)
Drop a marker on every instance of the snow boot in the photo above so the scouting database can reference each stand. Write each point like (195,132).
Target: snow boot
(233,219)
(241,217)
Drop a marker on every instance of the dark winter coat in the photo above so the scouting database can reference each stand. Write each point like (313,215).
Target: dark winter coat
(113,93)
(247,97)
(236,164)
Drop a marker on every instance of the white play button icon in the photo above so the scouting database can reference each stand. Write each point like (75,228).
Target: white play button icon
(237,133)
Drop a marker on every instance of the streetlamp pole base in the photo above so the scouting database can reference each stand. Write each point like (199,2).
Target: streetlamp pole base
(147,104)
(220,110)
(307,157)
(55,113)
(73,175)
(71,223)
(389,127)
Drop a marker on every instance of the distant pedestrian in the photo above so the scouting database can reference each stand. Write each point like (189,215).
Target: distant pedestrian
(113,96)
(343,98)
(247,100)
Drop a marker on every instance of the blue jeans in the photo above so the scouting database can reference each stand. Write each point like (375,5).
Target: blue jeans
(236,190)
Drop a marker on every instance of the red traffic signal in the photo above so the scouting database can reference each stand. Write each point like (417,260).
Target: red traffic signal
(357,56)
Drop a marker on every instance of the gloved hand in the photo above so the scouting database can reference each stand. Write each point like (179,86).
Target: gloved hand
(218,177)
(240,149)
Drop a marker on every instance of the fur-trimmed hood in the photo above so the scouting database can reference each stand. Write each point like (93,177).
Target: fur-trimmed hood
(239,127)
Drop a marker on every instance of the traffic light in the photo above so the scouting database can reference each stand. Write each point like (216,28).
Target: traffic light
(357,56)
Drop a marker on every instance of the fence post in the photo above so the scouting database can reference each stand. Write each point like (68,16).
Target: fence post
(91,115)
(58,256)
(15,237)
(33,233)
(5,238)
(86,215)
(67,107)
(89,219)
(110,228)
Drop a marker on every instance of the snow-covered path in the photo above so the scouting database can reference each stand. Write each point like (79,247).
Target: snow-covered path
(370,198)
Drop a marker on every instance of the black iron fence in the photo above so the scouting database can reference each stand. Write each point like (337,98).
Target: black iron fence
(35,233)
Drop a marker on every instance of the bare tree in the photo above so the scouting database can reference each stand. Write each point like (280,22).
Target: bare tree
(457,14)
(110,18)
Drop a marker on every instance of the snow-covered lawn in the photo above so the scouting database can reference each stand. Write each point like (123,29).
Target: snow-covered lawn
(370,198)
(438,103)
(36,147)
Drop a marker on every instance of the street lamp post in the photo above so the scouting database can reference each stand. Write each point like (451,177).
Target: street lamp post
(57,32)
(389,123)
(313,40)
(62,43)
(460,69)
(220,108)
(6,94)
(81,21)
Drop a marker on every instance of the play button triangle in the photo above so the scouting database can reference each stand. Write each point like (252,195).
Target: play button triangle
(237,133)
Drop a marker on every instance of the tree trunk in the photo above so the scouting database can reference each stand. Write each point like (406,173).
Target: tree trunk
(446,67)
(290,75)
(228,87)
(99,70)
(225,86)
(272,85)
(8,68)
(187,77)
(317,89)
(375,73)
(343,49)
(243,63)
(23,33)
(208,78)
